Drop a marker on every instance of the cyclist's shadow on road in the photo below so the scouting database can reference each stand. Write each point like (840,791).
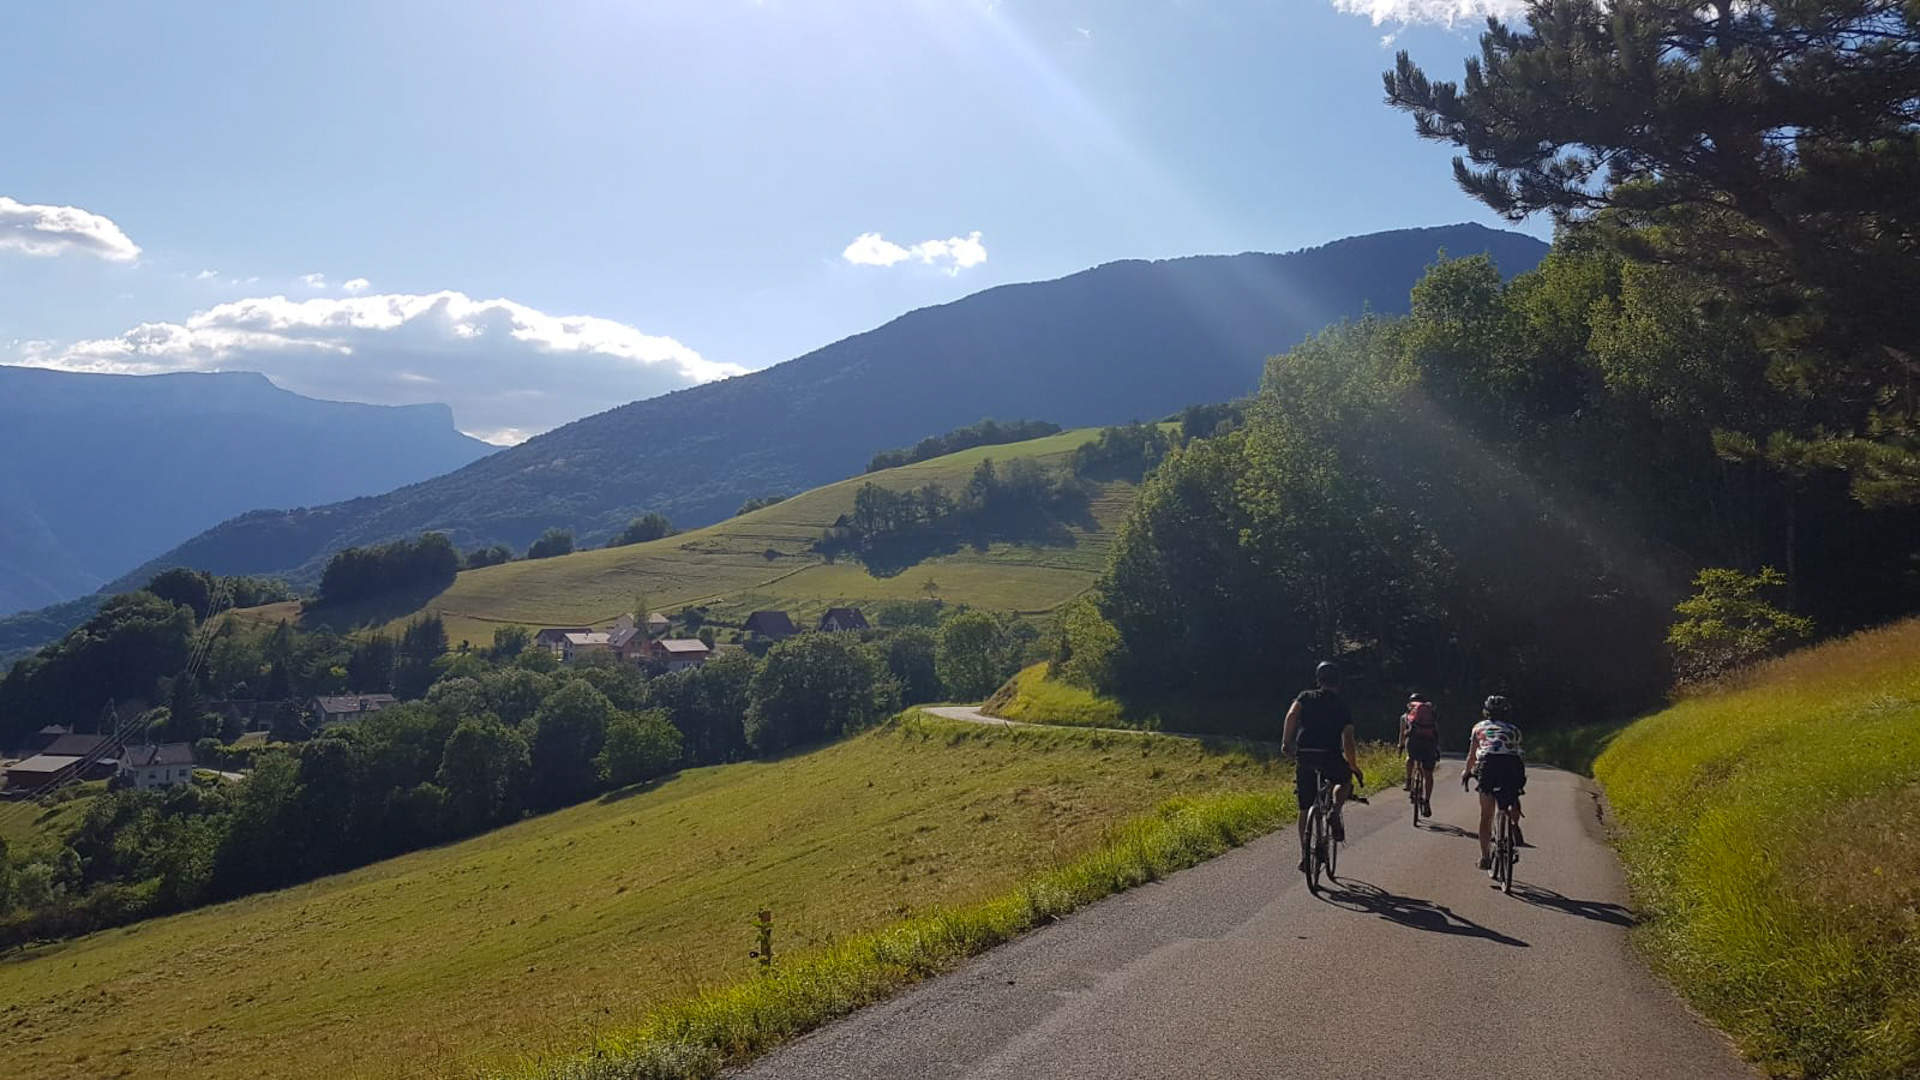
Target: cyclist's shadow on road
(1370,899)
(1597,910)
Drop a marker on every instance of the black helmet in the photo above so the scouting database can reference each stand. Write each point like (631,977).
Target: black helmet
(1327,674)
(1498,706)
(1416,698)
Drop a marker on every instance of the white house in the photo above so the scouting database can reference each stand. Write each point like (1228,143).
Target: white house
(163,766)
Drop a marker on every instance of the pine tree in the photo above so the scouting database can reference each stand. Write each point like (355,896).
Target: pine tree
(1771,148)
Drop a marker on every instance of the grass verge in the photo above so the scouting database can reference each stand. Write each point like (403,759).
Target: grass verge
(1771,833)
(1032,698)
(696,1038)
(1574,749)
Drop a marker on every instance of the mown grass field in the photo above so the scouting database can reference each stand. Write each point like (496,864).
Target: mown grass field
(1771,832)
(540,937)
(28,827)
(765,559)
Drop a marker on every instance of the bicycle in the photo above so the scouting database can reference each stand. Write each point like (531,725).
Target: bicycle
(1324,849)
(1505,848)
(1506,844)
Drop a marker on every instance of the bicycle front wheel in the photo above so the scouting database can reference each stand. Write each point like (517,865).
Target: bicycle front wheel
(1312,847)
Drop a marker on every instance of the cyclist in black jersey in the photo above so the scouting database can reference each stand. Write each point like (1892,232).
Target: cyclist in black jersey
(1319,729)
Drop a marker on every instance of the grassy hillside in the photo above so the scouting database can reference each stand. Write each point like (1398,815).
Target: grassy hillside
(1772,834)
(537,937)
(765,560)
(30,827)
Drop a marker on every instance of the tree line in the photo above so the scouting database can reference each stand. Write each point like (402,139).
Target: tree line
(1022,495)
(492,735)
(984,433)
(1511,487)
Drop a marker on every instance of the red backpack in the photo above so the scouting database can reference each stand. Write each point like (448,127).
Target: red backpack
(1421,723)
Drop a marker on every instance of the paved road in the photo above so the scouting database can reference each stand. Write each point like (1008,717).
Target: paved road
(971,714)
(1417,970)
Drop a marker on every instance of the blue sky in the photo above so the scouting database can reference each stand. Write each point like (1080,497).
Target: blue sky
(538,211)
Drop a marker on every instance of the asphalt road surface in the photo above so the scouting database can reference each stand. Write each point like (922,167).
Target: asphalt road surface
(1414,967)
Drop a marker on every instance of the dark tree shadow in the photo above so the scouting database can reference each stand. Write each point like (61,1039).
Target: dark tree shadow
(893,554)
(1370,899)
(641,788)
(369,611)
(1451,830)
(1598,911)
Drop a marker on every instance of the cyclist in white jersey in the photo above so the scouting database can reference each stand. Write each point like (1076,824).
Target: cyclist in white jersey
(1493,755)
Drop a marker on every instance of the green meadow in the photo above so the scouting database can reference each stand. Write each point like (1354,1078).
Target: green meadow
(538,939)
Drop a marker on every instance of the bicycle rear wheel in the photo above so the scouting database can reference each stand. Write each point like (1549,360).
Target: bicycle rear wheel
(1333,855)
(1507,847)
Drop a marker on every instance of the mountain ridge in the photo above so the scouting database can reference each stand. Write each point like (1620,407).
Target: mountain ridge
(1130,338)
(111,469)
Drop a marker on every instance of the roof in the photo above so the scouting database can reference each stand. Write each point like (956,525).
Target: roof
(771,624)
(347,704)
(657,619)
(44,763)
(848,617)
(56,730)
(75,745)
(620,638)
(582,638)
(560,631)
(684,645)
(173,753)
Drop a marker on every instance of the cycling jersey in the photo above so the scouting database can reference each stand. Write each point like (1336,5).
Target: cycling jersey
(1324,718)
(1494,737)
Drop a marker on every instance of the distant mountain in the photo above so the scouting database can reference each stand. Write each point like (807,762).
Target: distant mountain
(1124,340)
(103,472)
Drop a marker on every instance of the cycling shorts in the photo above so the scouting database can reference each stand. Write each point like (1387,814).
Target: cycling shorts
(1424,751)
(1312,765)
(1503,776)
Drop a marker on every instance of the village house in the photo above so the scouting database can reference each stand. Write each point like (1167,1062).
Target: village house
(41,771)
(842,618)
(679,654)
(163,766)
(771,625)
(93,755)
(330,709)
(580,643)
(554,638)
(44,738)
(657,624)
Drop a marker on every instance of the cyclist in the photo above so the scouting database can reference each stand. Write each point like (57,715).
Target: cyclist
(1493,755)
(1420,742)
(1319,729)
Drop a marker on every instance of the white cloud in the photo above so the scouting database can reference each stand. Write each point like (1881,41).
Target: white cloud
(869,249)
(313,281)
(357,285)
(954,254)
(507,370)
(1444,12)
(206,275)
(56,230)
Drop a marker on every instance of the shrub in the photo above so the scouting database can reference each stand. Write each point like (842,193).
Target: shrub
(553,542)
(1725,624)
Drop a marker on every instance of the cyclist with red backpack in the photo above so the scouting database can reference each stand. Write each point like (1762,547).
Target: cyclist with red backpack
(1420,743)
